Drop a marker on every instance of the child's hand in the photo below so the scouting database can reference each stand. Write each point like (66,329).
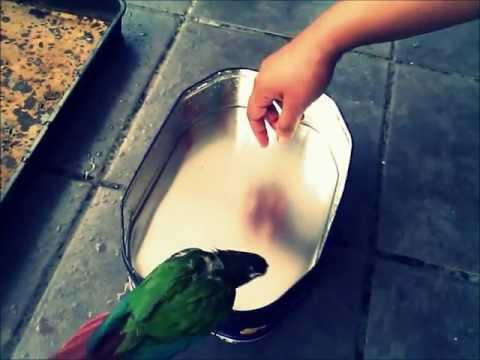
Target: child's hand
(299,72)
(294,76)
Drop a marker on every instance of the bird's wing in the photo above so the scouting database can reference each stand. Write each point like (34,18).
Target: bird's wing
(195,311)
(180,298)
(168,279)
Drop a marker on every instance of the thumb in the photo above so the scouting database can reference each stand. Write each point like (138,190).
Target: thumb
(287,122)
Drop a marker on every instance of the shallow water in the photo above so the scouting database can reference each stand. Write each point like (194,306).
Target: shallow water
(229,193)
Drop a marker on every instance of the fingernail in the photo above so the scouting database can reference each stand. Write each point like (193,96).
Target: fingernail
(283,140)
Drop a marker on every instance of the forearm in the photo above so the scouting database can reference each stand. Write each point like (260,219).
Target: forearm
(310,58)
(349,24)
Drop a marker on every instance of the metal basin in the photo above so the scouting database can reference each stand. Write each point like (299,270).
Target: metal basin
(205,182)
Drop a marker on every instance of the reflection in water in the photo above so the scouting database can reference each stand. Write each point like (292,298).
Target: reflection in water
(266,211)
(230,194)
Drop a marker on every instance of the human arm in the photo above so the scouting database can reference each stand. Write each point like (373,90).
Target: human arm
(299,72)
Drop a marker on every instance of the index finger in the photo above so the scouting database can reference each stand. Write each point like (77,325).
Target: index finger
(258,105)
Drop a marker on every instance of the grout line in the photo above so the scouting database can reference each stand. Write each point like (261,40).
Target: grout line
(110,185)
(471,277)
(443,72)
(156,10)
(370,259)
(70,175)
(189,10)
(466,276)
(237,27)
(359,51)
(95,182)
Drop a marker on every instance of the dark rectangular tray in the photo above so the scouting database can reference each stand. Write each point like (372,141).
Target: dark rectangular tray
(108,11)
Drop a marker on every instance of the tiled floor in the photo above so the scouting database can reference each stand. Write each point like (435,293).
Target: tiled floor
(400,275)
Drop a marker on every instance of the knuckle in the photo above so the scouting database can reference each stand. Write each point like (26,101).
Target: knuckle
(286,127)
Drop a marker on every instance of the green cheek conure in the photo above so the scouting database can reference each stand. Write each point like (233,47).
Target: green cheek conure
(184,298)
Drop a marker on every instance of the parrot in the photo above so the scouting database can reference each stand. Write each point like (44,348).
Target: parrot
(183,299)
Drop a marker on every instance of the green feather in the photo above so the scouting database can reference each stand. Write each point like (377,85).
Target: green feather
(180,285)
(112,324)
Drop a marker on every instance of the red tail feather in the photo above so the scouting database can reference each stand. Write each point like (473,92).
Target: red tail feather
(75,348)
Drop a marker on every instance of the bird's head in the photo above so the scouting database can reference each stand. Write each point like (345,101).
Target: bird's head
(241,267)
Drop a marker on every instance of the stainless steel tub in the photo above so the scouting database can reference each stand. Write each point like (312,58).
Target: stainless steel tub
(205,182)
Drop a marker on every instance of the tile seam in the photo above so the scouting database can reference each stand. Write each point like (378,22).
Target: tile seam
(362,327)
